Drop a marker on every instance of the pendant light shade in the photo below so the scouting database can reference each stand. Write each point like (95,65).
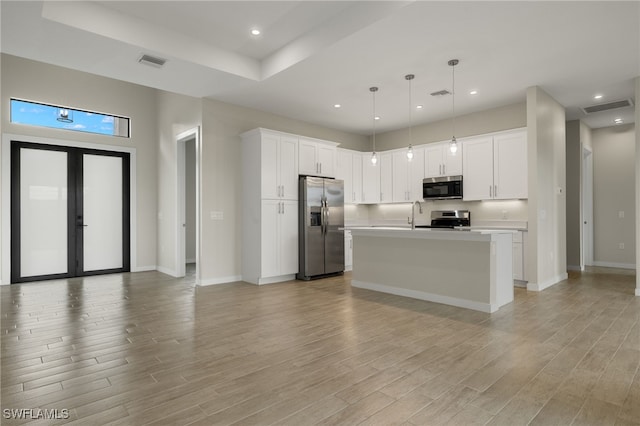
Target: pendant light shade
(453,145)
(65,115)
(374,155)
(410,77)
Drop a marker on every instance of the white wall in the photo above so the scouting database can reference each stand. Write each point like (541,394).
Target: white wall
(574,199)
(176,114)
(637,193)
(190,201)
(35,81)
(546,138)
(614,192)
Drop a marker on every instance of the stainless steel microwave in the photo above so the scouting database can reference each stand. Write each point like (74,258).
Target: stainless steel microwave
(442,188)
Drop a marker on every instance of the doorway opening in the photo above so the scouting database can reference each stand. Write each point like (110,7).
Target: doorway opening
(188,205)
(587,209)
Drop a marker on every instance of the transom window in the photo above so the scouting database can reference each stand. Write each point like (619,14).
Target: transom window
(59,117)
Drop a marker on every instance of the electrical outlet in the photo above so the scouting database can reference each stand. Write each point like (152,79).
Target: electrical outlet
(216,215)
(621,214)
(621,246)
(504,214)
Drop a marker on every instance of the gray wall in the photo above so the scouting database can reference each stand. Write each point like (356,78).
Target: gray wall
(487,121)
(35,81)
(614,192)
(221,179)
(546,137)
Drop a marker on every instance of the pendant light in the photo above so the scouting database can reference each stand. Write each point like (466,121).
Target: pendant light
(453,145)
(410,77)
(374,155)
(65,115)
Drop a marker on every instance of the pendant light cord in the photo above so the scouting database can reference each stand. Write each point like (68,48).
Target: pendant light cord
(453,100)
(374,90)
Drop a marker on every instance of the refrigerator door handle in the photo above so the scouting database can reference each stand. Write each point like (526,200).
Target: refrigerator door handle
(326,226)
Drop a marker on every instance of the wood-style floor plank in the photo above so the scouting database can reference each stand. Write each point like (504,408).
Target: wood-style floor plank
(144,348)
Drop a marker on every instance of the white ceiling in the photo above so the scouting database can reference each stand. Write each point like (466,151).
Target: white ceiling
(314,54)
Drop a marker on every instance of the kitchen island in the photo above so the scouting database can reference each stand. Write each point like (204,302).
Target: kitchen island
(469,269)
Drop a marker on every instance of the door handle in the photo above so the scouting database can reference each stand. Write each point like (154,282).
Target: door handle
(444,169)
(490,192)
(495,190)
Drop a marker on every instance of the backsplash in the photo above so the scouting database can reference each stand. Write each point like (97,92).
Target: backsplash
(378,214)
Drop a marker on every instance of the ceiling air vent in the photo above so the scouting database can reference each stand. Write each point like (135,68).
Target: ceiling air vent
(441,92)
(152,61)
(608,106)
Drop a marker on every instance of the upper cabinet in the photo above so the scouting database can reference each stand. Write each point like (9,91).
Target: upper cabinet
(440,161)
(385,162)
(495,167)
(370,179)
(277,157)
(317,157)
(349,169)
(408,175)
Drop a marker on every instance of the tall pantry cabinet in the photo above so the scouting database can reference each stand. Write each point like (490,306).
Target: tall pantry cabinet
(269,206)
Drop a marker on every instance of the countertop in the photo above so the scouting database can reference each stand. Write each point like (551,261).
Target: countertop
(462,234)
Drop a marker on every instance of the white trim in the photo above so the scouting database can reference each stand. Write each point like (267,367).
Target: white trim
(222,280)
(274,280)
(191,260)
(5,177)
(614,265)
(548,283)
(167,271)
(415,294)
(144,268)
(575,268)
(637,291)
(180,249)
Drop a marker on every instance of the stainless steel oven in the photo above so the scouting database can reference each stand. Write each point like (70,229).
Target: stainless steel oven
(442,188)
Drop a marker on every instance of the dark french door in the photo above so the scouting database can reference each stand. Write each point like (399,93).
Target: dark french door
(69,212)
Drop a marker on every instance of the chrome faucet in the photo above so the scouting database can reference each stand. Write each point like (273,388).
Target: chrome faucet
(412,222)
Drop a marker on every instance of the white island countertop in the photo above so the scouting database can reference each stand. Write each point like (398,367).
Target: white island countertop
(464,234)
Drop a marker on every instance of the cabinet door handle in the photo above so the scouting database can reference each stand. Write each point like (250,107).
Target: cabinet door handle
(495,190)
(320,168)
(282,208)
(444,169)
(490,193)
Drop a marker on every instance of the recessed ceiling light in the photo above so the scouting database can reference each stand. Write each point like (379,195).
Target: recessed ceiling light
(255,32)
(473,92)
(618,120)
(419,107)
(597,97)
(337,106)
(377,117)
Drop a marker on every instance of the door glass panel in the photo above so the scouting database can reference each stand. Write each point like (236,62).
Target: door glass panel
(43,212)
(102,205)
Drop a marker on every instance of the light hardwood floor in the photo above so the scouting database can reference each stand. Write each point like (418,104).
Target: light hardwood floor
(134,349)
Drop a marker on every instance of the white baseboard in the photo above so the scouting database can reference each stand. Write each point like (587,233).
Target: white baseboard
(548,283)
(190,260)
(144,268)
(170,272)
(637,291)
(275,280)
(615,265)
(430,297)
(222,280)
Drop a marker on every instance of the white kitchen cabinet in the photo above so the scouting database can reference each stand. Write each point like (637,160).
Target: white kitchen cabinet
(495,167)
(518,257)
(385,162)
(317,157)
(370,179)
(349,169)
(440,161)
(279,165)
(510,165)
(270,206)
(408,175)
(348,251)
(279,242)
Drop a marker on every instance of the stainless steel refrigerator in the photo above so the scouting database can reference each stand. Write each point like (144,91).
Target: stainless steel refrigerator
(321,232)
